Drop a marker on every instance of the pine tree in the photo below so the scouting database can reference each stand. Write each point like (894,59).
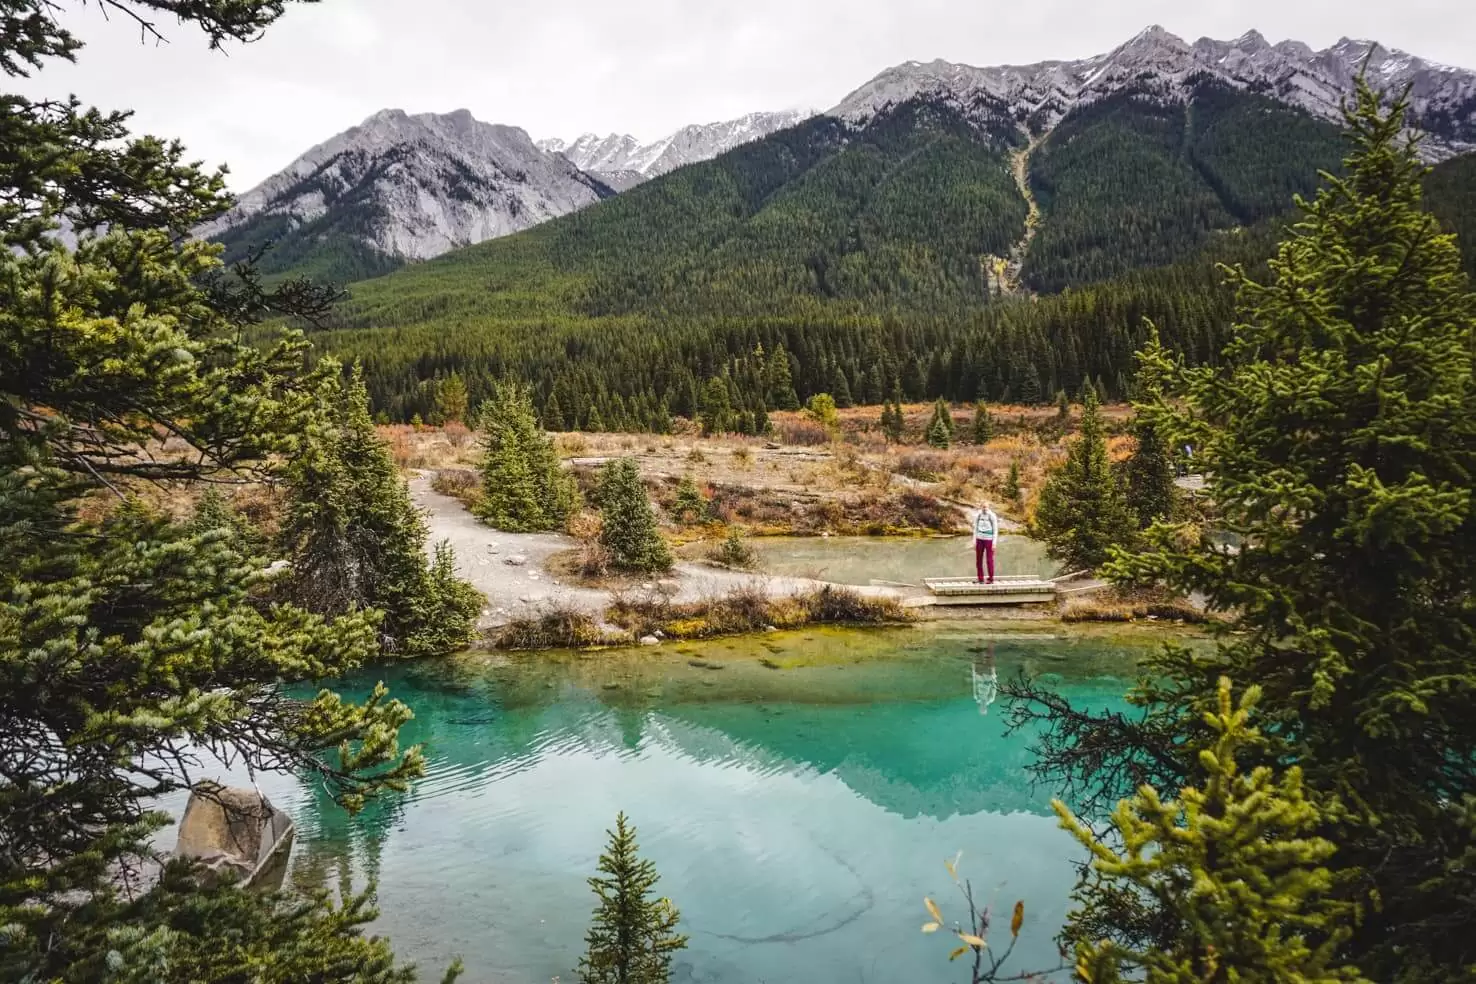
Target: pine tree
(661,419)
(1338,434)
(451,399)
(1237,864)
(1150,476)
(126,637)
(632,936)
(840,389)
(1030,389)
(628,526)
(821,409)
(214,513)
(938,435)
(355,539)
(761,424)
(1012,482)
(691,506)
(553,415)
(524,488)
(1063,406)
(1082,511)
(780,381)
(914,379)
(940,426)
(892,422)
(716,410)
(983,430)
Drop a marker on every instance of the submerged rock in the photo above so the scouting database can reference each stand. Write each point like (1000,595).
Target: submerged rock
(232,830)
(650,640)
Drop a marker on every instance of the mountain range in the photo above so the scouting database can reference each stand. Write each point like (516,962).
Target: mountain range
(1155,62)
(623,161)
(943,231)
(403,187)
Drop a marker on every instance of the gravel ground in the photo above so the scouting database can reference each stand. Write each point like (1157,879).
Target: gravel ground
(511,568)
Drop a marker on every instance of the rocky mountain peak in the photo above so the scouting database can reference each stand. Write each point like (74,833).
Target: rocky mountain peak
(417,185)
(1157,63)
(621,155)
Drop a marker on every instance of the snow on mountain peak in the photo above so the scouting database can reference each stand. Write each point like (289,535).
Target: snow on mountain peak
(624,154)
(424,183)
(1158,63)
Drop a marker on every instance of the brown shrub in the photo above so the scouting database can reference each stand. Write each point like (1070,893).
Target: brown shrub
(457,433)
(841,605)
(749,608)
(461,484)
(924,466)
(594,559)
(922,510)
(801,431)
(557,626)
(1118,605)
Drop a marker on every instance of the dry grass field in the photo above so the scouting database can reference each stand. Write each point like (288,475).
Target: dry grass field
(803,479)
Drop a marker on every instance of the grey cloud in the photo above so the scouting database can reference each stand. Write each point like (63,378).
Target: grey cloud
(640,66)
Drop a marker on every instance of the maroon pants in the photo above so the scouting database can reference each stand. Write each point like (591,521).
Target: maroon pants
(984,550)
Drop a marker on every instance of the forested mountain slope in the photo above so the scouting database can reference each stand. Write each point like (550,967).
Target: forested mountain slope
(866,256)
(1131,181)
(1451,193)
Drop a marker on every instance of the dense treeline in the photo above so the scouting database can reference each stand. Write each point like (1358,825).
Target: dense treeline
(864,259)
(625,372)
(1450,192)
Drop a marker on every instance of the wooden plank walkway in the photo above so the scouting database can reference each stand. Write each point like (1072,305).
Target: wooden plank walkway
(1018,589)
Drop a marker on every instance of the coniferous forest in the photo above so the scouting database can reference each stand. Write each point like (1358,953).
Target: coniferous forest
(866,257)
(1288,797)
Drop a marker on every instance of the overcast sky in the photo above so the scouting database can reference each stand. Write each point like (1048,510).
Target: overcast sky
(646,67)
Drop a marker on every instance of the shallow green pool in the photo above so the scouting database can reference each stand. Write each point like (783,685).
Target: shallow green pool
(799,794)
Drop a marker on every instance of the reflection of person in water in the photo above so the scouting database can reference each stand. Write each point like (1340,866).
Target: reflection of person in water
(986,680)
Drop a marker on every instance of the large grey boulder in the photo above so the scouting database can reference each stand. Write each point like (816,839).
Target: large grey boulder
(233,830)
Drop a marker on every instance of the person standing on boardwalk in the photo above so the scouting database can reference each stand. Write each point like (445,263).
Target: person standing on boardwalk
(986,531)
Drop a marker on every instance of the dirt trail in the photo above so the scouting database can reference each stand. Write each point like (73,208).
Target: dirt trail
(511,568)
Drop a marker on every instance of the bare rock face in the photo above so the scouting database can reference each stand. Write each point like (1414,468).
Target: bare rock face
(233,831)
(1157,64)
(622,161)
(413,186)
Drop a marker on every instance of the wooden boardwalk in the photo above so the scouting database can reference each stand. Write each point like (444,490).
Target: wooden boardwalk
(1010,590)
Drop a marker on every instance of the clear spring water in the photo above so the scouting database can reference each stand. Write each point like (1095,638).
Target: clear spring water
(798,792)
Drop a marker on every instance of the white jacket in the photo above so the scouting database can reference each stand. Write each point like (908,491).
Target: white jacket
(986,525)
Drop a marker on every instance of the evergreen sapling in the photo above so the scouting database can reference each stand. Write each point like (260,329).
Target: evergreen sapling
(632,936)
